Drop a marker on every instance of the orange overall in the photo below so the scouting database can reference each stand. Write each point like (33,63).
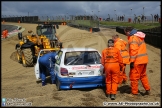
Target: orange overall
(112,61)
(4,34)
(138,55)
(121,45)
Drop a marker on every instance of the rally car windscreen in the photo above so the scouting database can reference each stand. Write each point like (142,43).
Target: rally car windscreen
(82,58)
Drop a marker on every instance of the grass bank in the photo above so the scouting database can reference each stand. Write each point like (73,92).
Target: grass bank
(140,26)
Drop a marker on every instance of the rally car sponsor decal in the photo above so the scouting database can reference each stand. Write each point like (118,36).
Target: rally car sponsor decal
(85,67)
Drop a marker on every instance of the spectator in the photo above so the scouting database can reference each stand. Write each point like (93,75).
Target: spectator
(142,19)
(157,17)
(135,19)
(122,18)
(139,19)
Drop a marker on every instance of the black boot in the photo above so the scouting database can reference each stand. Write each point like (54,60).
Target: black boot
(147,92)
(107,95)
(112,96)
(43,83)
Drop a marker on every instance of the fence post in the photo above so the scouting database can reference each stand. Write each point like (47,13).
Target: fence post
(152,18)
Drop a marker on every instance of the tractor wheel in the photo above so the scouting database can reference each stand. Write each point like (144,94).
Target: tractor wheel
(27,58)
(18,54)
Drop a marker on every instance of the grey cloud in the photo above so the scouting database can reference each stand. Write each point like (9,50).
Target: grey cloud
(101,8)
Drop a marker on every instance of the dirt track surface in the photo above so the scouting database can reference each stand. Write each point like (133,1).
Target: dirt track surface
(20,82)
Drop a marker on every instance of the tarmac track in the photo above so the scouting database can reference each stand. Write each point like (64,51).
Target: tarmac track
(8,27)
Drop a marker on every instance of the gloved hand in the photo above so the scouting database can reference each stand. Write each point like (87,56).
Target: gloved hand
(132,65)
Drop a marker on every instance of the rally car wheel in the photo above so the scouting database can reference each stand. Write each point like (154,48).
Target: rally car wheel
(58,85)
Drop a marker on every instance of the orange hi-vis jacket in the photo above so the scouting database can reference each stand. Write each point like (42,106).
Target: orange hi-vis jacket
(137,50)
(111,55)
(122,46)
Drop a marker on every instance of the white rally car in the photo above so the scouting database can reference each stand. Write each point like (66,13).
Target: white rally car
(77,68)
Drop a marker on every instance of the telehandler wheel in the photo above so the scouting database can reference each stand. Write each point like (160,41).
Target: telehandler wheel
(27,58)
(18,54)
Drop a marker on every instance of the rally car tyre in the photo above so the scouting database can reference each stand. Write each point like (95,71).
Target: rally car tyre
(27,58)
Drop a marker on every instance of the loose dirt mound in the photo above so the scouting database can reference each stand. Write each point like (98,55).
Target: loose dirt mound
(13,57)
(20,82)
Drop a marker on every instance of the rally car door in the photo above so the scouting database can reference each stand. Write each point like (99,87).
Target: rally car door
(37,70)
(58,61)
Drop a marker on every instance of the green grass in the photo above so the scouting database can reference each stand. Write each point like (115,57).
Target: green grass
(88,23)
(140,26)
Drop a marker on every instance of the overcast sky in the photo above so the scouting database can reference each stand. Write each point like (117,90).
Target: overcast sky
(101,8)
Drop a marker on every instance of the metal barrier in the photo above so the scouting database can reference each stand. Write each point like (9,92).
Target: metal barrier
(27,19)
(90,21)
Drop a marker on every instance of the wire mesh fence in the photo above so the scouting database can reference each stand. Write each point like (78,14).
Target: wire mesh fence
(84,20)
(135,18)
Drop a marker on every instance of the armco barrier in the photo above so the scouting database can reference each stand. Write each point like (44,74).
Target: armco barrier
(106,26)
(153,36)
(120,30)
(84,27)
(153,39)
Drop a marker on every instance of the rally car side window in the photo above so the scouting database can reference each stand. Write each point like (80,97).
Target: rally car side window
(59,57)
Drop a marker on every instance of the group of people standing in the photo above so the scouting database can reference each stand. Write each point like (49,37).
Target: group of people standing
(120,18)
(115,58)
(156,17)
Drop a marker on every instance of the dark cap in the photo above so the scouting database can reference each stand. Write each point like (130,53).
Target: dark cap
(110,41)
